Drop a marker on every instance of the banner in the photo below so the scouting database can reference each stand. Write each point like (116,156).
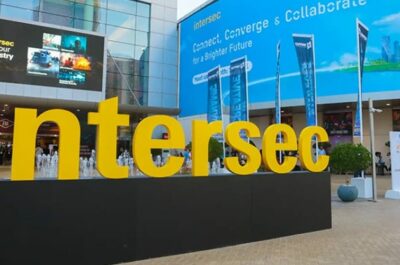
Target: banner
(278,85)
(362,39)
(238,91)
(214,107)
(304,45)
(395,159)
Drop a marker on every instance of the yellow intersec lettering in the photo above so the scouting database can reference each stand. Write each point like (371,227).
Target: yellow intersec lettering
(26,126)
(107,120)
(6,43)
(271,147)
(236,142)
(305,149)
(143,143)
(201,134)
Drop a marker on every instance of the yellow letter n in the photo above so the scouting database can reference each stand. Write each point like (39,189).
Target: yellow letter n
(26,126)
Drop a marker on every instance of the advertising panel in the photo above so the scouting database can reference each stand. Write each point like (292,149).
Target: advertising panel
(238,91)
(214,112)
(304,45)
(214,96)
(226,30)
(38,55)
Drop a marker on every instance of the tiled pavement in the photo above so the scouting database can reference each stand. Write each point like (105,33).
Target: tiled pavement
(363,233)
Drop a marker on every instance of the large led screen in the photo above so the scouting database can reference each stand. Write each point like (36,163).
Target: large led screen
(230,29)
(45,56)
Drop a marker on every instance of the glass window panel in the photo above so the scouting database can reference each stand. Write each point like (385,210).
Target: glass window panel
(114,81)
(120,19)
(121,49)
(120,81)
(28,4)
(19,13)
(90,13)
(58,7)
(169,101)
(121,65)
(57,20)
(96,3)
(143,9)
(144,68)
(142,38)
(127,6)
(141,53)
(143,24)
(89,25)
(142,82)
(121,34)
(124,96)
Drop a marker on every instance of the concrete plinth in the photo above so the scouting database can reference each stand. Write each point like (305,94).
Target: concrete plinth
(393,194)
(364,186)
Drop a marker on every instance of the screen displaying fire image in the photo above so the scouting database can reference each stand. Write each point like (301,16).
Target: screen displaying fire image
(45,56)
(76,62)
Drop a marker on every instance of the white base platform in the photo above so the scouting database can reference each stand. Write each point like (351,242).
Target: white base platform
(220,171)
(393,194)
(224,171)
(364,187)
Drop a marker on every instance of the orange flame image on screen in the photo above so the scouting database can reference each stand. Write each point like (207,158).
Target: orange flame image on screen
(81,63)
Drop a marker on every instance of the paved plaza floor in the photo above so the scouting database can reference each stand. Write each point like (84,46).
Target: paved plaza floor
(363,232)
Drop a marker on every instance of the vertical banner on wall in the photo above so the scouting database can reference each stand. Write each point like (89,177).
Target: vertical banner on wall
(214,108)
(362,39)
(238,91)
(239,104)
(304,45)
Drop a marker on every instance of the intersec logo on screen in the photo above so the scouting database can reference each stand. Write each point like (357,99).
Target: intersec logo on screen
(6,52)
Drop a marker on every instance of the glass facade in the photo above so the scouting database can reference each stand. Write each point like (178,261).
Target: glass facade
(126,23)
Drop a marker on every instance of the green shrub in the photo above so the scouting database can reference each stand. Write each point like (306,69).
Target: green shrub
(349,158)
(215,150)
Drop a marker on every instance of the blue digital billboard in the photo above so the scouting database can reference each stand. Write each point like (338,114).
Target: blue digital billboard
(227,30)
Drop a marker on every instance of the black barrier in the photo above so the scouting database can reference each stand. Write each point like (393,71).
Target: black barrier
(107,222)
